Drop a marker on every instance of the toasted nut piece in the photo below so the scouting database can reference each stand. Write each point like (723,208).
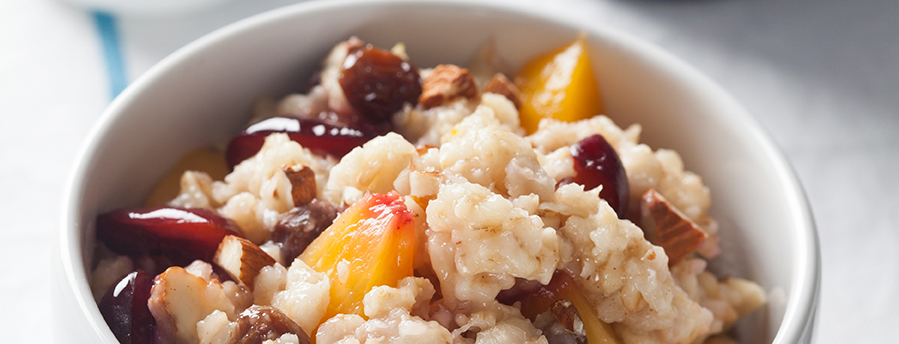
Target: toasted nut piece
(302,184)
(665,226)
(567,315)
(259,324)
(501,85)
(179,299)
(242,259)
(445,83)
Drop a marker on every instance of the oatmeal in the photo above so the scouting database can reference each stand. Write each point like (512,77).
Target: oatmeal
(391,204)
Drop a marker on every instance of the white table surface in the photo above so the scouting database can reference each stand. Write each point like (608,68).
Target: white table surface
(821,76)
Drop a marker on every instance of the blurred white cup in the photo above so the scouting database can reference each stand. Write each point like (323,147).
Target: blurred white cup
(146,7)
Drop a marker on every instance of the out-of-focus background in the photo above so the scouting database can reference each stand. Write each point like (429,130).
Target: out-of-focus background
(822,76)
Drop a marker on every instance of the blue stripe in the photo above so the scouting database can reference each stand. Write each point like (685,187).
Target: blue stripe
(112,52)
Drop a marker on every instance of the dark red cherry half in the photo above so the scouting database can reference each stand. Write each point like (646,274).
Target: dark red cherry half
(124,307)
(320,137)
(181,235)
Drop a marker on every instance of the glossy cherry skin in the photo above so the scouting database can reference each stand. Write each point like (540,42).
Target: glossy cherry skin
(124,307)
(320,137)
(181,235)
(596,163)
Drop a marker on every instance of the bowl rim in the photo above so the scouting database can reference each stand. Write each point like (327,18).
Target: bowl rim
(801,304)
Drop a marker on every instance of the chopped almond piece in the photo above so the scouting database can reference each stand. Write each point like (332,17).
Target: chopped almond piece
(501,85)
(179,299)
(302,184)
(445,83)
(665,226)
(242,259)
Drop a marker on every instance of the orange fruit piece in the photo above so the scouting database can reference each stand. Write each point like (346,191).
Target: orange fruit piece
(203,159)
(563,287)
(370,244)
(560,85)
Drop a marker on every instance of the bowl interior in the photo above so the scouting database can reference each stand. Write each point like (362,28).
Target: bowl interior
(204,93)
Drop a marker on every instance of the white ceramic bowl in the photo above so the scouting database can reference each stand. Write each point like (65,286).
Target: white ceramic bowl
(204,92)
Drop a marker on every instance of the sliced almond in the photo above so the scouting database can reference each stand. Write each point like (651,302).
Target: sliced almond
(302,184)
(242,259)
(664,225)
(501,85)
(445,83)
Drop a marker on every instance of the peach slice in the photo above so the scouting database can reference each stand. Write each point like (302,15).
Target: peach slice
(370,244)
(563,287)
(558,85)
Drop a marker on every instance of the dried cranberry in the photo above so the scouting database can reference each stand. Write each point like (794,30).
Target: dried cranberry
(596,163)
